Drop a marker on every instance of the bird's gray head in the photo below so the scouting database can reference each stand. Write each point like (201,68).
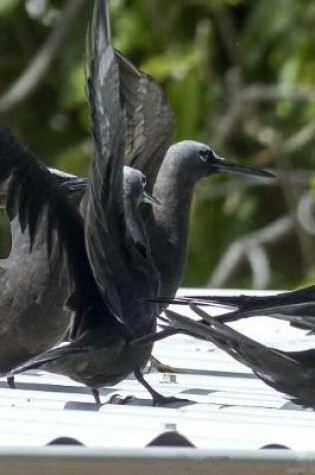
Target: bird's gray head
(200,160)
(134,187)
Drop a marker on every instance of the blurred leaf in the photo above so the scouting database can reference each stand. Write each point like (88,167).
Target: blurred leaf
(7,5)
(73,91)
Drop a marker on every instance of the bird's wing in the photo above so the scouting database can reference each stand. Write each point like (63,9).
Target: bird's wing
(288,312)
(296,307)
(150,121)
(291,373)
(47,357)
(104,220)
(34,193)
(273,366)
(254,302)
(69,181)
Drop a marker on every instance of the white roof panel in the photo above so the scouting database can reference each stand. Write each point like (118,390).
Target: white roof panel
(231,409)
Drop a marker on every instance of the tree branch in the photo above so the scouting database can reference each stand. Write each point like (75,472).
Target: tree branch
(25,85)
(240,98)
(250,247)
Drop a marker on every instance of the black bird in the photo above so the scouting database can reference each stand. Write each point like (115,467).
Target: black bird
(290,372)
(100,353)
(101,341)
(111,280)
(184,165)
(171,171)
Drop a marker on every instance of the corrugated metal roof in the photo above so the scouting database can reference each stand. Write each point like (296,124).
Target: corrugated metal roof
(230,407)
(231,411)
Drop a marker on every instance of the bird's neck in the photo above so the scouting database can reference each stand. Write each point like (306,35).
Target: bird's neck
(170,223)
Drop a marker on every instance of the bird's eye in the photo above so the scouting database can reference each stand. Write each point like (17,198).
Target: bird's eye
(204,154)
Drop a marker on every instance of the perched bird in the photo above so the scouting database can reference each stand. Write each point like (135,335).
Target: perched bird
(110,264)
(290,372)
(100,353)
(100,339)
(172,171)
(184,165)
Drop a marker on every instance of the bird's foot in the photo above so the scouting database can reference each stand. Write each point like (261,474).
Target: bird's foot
(118,400)
(159,399)
(11,382)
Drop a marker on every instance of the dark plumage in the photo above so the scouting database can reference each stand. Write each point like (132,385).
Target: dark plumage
(296,307)
(290,372)
(185,163)
(33,287)
(101,352)
(110,280)
(171,171)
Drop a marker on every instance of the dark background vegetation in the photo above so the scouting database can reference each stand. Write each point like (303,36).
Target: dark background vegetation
(239,75)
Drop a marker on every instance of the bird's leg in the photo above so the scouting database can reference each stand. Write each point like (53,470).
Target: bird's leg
(155,363)
(96,395)
(158,399)
(11,382)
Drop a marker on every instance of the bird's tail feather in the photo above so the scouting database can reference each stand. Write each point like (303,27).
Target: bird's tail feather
(261,359)
(293,306)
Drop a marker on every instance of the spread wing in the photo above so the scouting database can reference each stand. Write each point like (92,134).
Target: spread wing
(276,368)
(104,220)
(150,121)
(33,192)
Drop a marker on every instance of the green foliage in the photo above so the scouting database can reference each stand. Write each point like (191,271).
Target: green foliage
(191,48)
(7,5)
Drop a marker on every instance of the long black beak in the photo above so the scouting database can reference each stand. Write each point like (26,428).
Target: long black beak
(150,199)
(223,165)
